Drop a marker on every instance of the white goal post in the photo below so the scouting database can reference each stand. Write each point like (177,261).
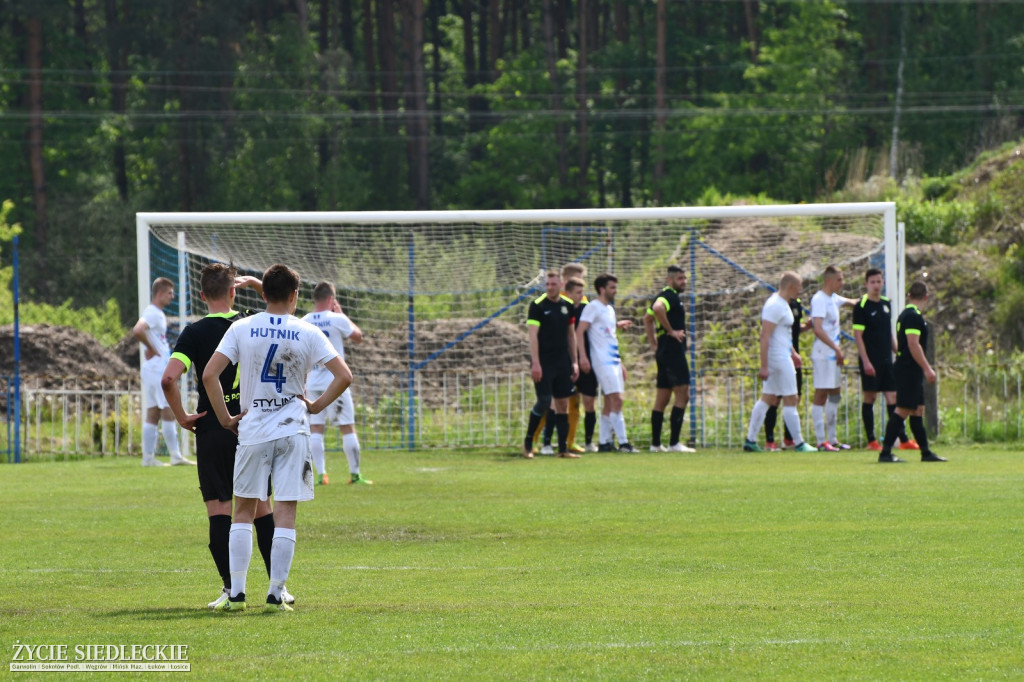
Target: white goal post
(436,290)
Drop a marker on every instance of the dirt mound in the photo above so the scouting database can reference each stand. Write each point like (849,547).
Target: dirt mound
(52,351)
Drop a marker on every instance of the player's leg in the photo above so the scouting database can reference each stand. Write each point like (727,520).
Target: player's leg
(169,428)
(921,436)
(317,446)
(589,422)
(350,441)
(662,394)
(215,456)
(832,418)
(537,412)
(293,483)
(251,484)
(150,428)
(757,414)
(562,388)
(574,420)
(770,420)
(867,413)
(825,372)
(791,417)
(909,395)
(678,416)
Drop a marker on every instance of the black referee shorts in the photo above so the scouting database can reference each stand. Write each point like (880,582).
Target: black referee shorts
(215,462)
(555,380)
(673,370)
(909,387)
(884,379)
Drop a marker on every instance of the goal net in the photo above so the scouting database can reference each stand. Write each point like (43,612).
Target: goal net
(442,296)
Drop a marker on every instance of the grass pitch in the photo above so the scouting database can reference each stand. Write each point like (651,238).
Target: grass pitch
(481,565)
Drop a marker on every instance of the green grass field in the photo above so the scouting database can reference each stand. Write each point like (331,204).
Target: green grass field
(480,565)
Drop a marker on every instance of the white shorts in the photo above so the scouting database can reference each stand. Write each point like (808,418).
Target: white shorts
(152,394)
(781,377)
(610,379)
(341,412)
(827,374)
(287,459)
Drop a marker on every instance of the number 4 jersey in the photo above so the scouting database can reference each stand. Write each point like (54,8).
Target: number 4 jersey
(274,354)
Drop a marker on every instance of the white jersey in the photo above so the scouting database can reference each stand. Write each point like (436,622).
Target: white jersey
(337,327)
(825,306)
(777,311)
(156,332)
(604,344)
(274,354)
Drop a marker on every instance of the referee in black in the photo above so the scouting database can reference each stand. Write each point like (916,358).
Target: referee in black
(553,367)
(215,446)
(912,370)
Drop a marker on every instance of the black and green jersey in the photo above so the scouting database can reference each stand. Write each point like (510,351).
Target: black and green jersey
(195,347)
(552,318)
(872,318)
(911,322)
(675,313)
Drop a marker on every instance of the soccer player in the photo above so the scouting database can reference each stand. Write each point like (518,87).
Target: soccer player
(215,446)
(275,352)
(586,383)
(875,347)
(151,331)
(328,318)
(771,418)
(603,356)
(569,272)
(778,365)
(912,370)
(553,365)
(827,358)
(665,325)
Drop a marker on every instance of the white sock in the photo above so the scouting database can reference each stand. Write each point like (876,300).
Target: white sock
(619,424)
(316,446)
(604,434)
(170,430)
(791,418)
(350,444)
(756,420)
(281,554)
(831,417)
(239,555)
(150,433)
(818,417)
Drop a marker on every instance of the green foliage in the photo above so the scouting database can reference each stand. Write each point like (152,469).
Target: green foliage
(930,222)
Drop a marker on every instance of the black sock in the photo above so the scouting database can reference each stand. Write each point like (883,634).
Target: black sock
(264,526)
(891,409)
(675,422)
(920,435)
(867,415)
(531,429)
(562,424)
(657,419)
(589,422)
(220,529)
(771,418)
(549,427)
(892,431)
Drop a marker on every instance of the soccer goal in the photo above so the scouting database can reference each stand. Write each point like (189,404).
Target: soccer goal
(441,296)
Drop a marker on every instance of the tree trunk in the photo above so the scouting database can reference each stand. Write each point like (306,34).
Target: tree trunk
(437,9)
(624,145)
(34,62)
(324,151)
(416,128)
(750,12)
(387,50)
(369,54)
(556,95)
(660,110)
(117,55)
(476,104)
(497,38)
(561,18)
(581,101)
(85,91)
(347,28)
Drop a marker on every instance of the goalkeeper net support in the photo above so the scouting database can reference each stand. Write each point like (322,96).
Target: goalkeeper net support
(443,294)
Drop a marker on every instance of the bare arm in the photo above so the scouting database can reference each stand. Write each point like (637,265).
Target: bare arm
(169,383)
(582,347)
(862,350)
(819,332)
(139,332)
(341,380)
(251,282)
(570,334)
(535,370)
(767,328)
(649,330)
(917,352)
(211,380)
(356,337)
(662,315)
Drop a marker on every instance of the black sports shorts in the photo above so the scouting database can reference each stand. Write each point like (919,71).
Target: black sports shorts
(586,384)
(884,379)
(909,387)
(555,380)
(673,370)
(215,462)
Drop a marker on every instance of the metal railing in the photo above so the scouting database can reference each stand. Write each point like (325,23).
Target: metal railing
(64,419)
